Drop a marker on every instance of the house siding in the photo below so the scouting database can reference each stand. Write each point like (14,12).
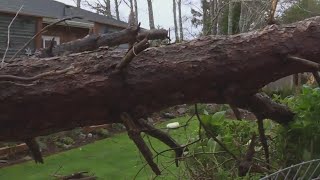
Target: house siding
(66,33)
(22,30)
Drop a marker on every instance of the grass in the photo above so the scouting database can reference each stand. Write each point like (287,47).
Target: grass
(111,158)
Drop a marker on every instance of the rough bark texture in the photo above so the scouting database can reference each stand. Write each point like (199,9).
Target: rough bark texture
(180,20)
(150,12)
(230,17)
(174,6)
(117,9)
(212,69)
(94,41)
(136,11)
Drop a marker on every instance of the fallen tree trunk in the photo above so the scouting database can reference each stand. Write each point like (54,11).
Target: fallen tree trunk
(80,90)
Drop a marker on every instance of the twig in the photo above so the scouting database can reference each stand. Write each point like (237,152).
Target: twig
(134,131)
(8,40)
(42,30)
(306,62)
(163,137)
(160,153)
(218,13)
(212,135)
(33,78)
(55,173)
(136,49)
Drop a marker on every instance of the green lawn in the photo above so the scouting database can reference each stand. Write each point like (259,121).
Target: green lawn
(111,158)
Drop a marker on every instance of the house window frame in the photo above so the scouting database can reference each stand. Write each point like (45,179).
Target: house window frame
(49,38)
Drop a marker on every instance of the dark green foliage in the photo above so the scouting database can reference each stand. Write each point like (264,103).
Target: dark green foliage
(209,160)
(300,140)
(102,132)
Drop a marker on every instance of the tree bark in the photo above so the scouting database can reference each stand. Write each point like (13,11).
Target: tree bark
(117,9)
(213,14)
(78,3)
(136,11)
(205,18)
(175,20)
(151,18)
(230,18)
(108,8)
(84,89)
(180,20)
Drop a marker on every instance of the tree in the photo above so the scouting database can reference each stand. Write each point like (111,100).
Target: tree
(117,9)
(42,96)
(101,7)
(175,20)
(300,10)
(213,16)
(78,3)
(150,11)
(136,11)
(180,20)
(230,18)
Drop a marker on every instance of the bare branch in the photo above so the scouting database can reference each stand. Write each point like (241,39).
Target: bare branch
(8,40)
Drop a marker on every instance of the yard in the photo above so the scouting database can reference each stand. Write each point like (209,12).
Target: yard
(112,158)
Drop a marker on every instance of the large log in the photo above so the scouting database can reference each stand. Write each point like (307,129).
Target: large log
(214,69)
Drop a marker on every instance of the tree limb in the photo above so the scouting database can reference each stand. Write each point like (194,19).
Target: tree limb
(212,69)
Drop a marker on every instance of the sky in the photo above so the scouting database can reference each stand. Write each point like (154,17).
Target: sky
(162,11)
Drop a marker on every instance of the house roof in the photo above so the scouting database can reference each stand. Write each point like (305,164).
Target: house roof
(54,9)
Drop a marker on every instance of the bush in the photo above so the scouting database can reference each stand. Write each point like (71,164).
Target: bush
(300,140)
(102,132)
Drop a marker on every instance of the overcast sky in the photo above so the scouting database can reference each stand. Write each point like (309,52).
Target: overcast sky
(162,10)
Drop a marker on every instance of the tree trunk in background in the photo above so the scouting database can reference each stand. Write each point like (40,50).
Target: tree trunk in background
(219,14)
(273,9)
(117,9)
(78,3)
(205,18)
(297,83)
(151,18)
(108,8)
(131,6)
(241,18)
(136,11)
(175,20)
(230,18)
(180,20)
(213,9)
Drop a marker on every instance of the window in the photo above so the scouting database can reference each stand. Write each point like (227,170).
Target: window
(46,40)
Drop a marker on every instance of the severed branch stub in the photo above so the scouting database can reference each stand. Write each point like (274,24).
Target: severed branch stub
(163,137)
(133,52)
(135,127)
(134,133)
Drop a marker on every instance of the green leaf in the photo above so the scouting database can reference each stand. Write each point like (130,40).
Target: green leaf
(218,116)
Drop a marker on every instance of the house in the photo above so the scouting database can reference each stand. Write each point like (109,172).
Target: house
(36,14)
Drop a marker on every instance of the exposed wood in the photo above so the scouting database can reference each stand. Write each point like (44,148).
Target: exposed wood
(206,70)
